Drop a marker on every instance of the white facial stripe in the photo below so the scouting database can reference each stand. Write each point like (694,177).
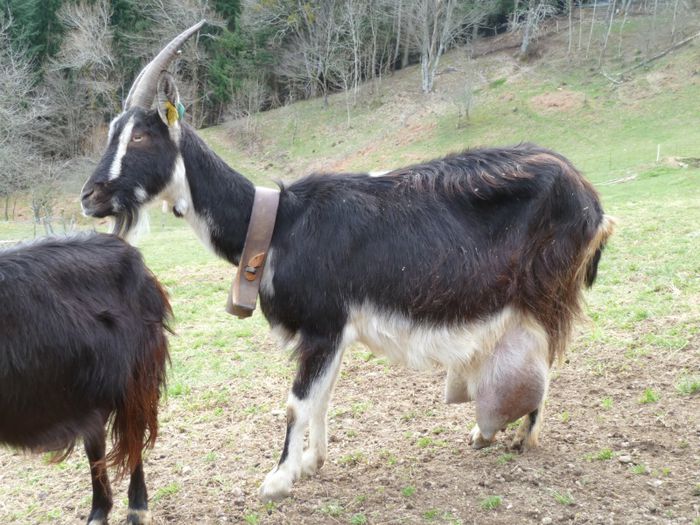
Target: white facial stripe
(112,125)
(124,139)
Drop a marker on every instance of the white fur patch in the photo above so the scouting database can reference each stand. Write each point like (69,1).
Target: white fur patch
(177,194)
(140,228)
(124,139)
(422,346)
(378,173)
(266,286)
(140,194)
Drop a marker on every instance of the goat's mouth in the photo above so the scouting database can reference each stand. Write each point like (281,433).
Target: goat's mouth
(125,216)
(96,204)
(97,210)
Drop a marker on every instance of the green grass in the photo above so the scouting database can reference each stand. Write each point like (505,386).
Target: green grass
(491,503)
(333,509)
(165,492)
(505,458)
(688,385)
(408,491)
(604,454)
(563,498)
(358,519)
(649,396)
(638,469)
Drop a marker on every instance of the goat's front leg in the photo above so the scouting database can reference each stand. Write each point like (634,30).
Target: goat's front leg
(307,404)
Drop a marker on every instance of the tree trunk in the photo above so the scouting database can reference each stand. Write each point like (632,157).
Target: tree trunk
(590,33)
(611,7)
(525,45)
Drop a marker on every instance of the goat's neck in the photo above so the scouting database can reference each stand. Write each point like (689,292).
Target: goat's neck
(221,198)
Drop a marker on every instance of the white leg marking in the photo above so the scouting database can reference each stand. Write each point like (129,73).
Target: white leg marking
(124,139)
(456,385)
(313,409)
(139,517)
(316,454)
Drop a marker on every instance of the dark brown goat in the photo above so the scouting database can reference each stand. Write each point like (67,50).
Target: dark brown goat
(83,343)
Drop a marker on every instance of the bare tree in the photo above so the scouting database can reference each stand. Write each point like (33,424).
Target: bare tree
(18,119)
(436,24)
(80,82)
(528,16)
(611,17)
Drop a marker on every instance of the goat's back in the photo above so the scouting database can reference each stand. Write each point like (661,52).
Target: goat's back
(82,318)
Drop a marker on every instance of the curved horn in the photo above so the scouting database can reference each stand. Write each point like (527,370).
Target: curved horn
(143,90)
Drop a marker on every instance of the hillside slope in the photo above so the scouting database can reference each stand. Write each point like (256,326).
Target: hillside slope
(608,130)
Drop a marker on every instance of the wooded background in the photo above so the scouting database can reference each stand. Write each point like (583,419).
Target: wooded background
(66,65)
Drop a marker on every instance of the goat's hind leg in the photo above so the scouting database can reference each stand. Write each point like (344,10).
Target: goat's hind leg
(513,384)
(138,498)
(101,490)
(307,405)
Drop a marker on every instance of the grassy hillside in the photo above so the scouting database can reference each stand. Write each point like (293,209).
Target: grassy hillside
(629,389)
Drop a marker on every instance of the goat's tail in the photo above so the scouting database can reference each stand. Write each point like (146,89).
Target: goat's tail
(566,295)
(135,420)
(595,249)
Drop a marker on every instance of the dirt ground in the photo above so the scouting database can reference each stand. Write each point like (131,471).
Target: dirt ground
(399,455)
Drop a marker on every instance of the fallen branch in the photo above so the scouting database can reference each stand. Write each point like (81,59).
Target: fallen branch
(662,54)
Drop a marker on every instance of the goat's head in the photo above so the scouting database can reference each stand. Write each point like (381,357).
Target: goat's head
(142,147)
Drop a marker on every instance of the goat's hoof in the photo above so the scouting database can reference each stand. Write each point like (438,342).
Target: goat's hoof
(523,443)
(97,517)
(138,517)
(277,486)
(477,440)
(311,461)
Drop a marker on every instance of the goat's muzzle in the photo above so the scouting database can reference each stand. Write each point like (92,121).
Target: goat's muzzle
(94,202)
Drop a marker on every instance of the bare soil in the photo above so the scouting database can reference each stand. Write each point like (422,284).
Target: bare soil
(399,455)
(561,100)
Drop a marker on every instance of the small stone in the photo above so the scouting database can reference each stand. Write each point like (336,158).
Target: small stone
(625,459)
(546,520)
(656,483)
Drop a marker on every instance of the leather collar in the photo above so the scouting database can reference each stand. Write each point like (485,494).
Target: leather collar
(246,284)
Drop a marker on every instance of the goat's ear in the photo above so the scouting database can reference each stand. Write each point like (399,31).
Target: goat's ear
(169,107)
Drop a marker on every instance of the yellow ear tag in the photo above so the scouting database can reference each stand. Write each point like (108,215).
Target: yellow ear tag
(171,113)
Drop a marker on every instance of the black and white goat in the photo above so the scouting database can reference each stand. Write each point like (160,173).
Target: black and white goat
(82,341)
(474,262)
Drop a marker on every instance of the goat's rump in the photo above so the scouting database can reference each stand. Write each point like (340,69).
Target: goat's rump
(81,318)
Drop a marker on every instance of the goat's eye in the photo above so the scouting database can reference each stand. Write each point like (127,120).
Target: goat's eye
(136,137)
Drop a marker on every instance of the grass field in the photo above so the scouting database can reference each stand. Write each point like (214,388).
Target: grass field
(621,442)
